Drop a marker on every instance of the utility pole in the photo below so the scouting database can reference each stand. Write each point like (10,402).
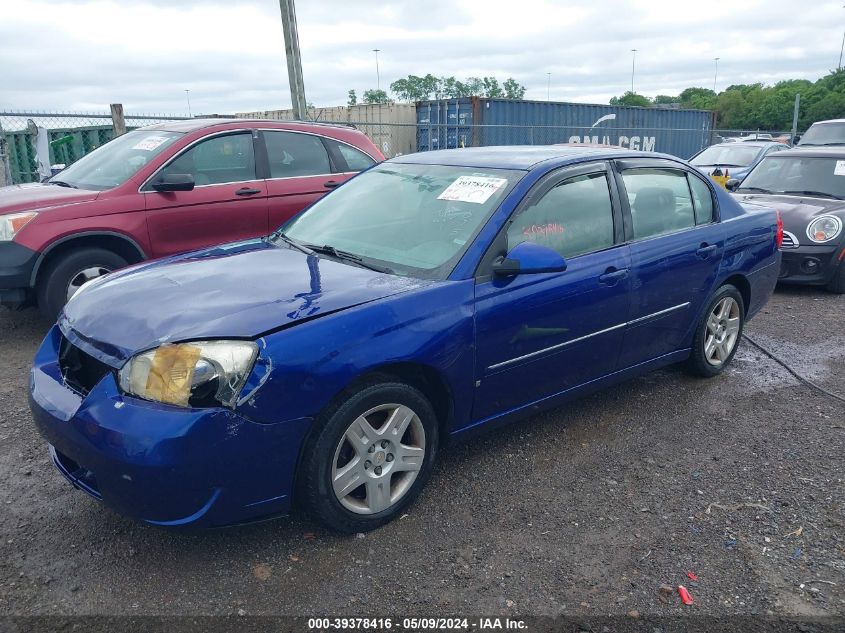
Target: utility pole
(549,87)
(795,118)
(188,97)
(297,85)
(378,75)
(715,72)
(633,68)
(118,121)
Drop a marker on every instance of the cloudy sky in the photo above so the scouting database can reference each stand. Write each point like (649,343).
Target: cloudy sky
(83,55)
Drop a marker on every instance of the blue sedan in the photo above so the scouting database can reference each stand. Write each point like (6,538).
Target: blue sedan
(432,296)
(735,159)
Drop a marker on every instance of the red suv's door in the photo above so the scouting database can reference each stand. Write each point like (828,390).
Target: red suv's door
(228,202)
(302,167)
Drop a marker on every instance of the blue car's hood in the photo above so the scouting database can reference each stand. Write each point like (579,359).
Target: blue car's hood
(240,290)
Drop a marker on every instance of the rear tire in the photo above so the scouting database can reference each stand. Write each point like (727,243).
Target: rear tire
(371,455)
(837,284)
(69,272)
(718,333)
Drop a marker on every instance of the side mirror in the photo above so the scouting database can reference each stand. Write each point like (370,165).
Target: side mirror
(527,258)
(732,184)
(174,182)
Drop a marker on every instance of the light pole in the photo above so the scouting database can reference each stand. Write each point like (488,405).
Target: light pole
(378,76)
(549,87)
(715,72)
(841,48)
(188,97)
(633,68)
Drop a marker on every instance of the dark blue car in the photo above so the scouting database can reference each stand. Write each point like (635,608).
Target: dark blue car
(735,159)
(431,296)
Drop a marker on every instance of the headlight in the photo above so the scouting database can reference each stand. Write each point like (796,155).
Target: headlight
(11,224)
(824,228)
(199,374)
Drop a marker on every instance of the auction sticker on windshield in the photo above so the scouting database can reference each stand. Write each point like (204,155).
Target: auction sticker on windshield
(150,143)
(839,170)
(477,189)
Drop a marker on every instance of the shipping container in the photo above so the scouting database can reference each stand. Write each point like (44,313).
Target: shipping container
(476,121)
(391,126)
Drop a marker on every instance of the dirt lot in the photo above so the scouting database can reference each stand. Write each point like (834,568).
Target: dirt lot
(588,509)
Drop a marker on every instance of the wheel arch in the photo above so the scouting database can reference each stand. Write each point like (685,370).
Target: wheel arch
(741,283)
(119,243)
(425,378)
(430,382)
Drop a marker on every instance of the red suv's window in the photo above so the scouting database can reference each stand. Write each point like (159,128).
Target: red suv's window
(356,160)
(217,160)
(292,154)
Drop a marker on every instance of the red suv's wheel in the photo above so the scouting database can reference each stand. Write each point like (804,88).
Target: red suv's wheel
(65,275)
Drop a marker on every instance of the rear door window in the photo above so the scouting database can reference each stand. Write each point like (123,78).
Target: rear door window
(660,201)
(293,154)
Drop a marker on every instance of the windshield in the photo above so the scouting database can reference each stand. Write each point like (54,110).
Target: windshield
(732,155)
(798,174)
(115,162)
(824,134)
(413,220)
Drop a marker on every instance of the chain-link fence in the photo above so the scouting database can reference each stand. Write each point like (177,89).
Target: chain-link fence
(401,138)
(782,136)
(34,144)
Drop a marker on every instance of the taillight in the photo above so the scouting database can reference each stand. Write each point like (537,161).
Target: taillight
(779,234)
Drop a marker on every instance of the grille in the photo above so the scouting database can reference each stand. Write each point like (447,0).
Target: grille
(80,371)
(789,240)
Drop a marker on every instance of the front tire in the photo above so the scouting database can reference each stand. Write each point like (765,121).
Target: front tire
(718,333)
(64,276)
(837,284)
(370,457)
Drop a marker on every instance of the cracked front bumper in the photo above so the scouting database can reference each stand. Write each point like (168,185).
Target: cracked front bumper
(162,464)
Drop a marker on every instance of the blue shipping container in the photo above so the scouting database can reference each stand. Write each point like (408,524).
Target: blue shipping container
(475,121)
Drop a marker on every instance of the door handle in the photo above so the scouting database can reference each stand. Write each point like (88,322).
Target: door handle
(704,251)
(612,276)
(246,191)
(331,184)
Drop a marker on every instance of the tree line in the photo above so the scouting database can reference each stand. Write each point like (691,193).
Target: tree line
(757,106)
(741,106)
(414,88)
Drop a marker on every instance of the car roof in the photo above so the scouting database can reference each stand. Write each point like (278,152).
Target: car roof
(192,125)
(518,156)
(814,151)
(760,143)
(829,121)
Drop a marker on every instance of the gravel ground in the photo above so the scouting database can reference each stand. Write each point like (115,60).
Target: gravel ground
(584,510)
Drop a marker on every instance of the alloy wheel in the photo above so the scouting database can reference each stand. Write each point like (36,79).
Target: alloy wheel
(83,277)
(722,333)
(378,458)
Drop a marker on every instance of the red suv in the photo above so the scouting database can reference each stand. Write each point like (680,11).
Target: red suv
(165,189)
